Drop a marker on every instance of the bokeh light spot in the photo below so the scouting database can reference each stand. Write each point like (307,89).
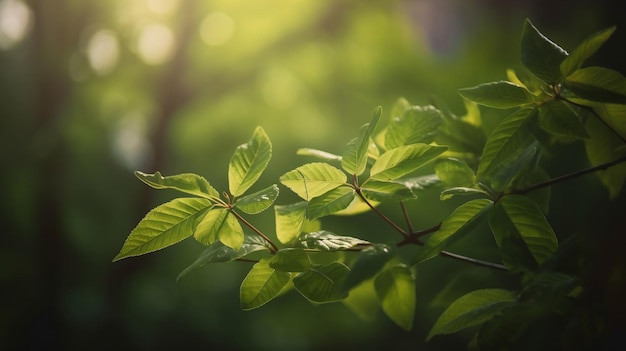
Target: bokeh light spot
(217,28)
(103,51)
(155,44)
(15,22)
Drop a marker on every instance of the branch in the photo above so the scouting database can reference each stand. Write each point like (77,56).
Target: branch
(380,214)
(273,248)
(473,260)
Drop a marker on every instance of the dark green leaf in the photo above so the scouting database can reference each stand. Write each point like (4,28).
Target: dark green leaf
(249,162)
(602,147)
(259,201)
(454,172)
(367,264)
(415,125)
(501,94)
(563,119)
(387,191)
(354,158)
(289,221)
(395,287)
(187,183)
(262,284)
(163,226)
(597,84)
(313,179)
(585,50)
(327,241)
(403,160)
(291,260)
(471,309)
(330,202)
(540,55)
(321,284)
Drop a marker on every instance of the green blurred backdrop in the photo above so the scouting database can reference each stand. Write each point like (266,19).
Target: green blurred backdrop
(92,90)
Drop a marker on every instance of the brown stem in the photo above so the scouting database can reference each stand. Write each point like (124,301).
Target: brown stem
(273,248)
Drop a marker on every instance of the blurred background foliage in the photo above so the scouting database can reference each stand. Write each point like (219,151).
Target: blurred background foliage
(93,90)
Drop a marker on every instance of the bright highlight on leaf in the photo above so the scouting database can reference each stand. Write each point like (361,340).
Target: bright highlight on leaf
(249,162)
(262,284)
(313,179)
(354,159)
(395,287)
(189,183)
(403,160)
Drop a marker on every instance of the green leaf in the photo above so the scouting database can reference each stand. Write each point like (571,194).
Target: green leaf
(259,201)
(262,284)
(291,260)
(507,139)
(460,222)
(321,284)
(416,125)
(387,191)
(323,155)
(313,179)
(354,158)
(403,160)
(472,309)
(597,84)
(249,162)
(163,226)
(367,264)
(585,50)
(326,241)
(187,183)
(289,221)
(330,202)
(501,94)
(563,119)
(602,147)
(454,172)
(522,76)
(395,287)
(363,301)
(461,191)
(220,224)
(218,252)
(540,55)
(513,168)
(516,217)
(613,115)
(421,183)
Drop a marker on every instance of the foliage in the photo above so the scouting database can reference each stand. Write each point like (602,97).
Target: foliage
(499,179)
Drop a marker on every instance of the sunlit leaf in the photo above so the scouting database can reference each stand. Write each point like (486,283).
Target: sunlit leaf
(163,226)
(313,179)
(461,221)
(220,224)
(522,76)
(462,191)
(326,241)
(330,202)
(367,264)
(249,162)
(323,155)
(561,118)
(261,285)
(354,159)
(289,221)
(321,284)
(454,172)
(597,84)
(416,125)
(585,50)
(259,201)
(218,252)
(363,301)
(516,217)
(501,94)
(395,287)
(540,55)
(513,168)
(421,183)
(187,183)
(291,260)
(602,147)
(471,309)
(387,191)
(403,160)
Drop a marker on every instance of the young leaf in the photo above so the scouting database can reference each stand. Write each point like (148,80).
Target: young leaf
(330,202)
(367,264)
(454,172)
(563,119)
(220,224)
(461,191)
(461,221)
(509,136)
(387,191)
(540,55)
(321,284)
(261,285)
(163,226)
(218,252)
(501,94)
(471,309)
(326,241)
(585,50)
(395,287)
(604,147)
(416,125)
(515,217)
(403,160)
(289,221)
(187,183)
(291,260)
(354,158)
(249,162)
(597,84)
(313,179)
(323,155)
(259,201)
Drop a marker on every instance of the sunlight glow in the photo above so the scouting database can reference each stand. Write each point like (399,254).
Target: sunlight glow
(103,51)
(155,44)
(162,6)
(15,22)
(217,28)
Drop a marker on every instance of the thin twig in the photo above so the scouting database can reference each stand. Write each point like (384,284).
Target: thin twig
(380,214)
(273,248)
(473,260)
(407,219)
